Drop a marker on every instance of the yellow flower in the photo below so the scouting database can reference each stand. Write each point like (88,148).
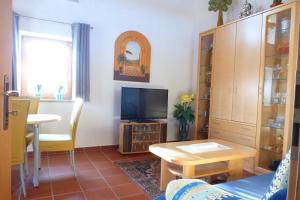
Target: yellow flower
(185,98)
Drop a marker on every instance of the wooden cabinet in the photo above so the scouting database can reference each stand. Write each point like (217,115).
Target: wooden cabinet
(234,132)
(206,44)
(137,137)
(278,70)
(223,72)
(236,71)
(243,134)
(253,83)
(246,73)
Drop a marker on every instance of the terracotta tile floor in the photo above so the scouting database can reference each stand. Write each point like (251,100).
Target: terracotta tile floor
(97,177)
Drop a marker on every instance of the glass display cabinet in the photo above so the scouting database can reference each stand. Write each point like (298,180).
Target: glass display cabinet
(276,88)
(204,85)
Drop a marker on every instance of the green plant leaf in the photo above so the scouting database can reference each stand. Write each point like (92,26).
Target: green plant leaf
(215,5)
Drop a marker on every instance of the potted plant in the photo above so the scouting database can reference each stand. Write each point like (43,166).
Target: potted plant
(221,6)
(276,3)
(185,115)
(60,93)
(122,61)
(143,69)
(38,92)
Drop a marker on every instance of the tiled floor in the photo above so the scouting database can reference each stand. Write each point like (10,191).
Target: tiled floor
(97,177)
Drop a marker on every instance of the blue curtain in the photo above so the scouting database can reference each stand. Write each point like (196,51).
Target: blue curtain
(81,59)
(15,50)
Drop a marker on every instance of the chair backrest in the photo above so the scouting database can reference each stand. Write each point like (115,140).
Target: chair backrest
(75,117)
(34,105)
(18,123)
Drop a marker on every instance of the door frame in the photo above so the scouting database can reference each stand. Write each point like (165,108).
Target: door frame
(5,69)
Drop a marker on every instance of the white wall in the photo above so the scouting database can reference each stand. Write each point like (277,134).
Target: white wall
(171,26)
(258,5)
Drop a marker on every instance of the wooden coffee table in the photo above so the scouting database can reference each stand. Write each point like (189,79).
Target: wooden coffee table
(200,164)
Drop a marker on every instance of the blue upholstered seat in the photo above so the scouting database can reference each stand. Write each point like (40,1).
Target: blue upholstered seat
(250,188)
(263,187)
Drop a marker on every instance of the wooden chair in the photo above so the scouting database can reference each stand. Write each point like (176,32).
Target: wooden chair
(66,141)
(34,105)
(33,109)
(19,123)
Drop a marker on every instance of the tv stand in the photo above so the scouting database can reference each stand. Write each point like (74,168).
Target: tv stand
(136,137)
(143,121)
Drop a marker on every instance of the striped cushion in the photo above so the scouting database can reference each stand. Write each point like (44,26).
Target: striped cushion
(187,189)
(280,179)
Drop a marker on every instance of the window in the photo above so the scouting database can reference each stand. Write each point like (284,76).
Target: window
(46,67)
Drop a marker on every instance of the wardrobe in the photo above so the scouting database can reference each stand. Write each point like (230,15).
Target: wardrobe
(246,80)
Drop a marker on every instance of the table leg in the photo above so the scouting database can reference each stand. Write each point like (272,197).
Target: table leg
(188,171)
(236,168)
(36,157)
(166,175)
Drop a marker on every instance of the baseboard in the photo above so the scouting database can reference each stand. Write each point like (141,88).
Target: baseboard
(82,149)
(97,148)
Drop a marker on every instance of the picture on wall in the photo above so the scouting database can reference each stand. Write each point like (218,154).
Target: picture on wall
(132,57)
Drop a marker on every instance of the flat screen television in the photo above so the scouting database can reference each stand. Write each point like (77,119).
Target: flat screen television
(141,104)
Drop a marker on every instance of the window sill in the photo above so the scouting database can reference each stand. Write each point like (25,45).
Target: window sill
(56,101)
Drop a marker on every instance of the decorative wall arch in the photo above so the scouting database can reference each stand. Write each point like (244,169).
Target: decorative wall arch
(132,57)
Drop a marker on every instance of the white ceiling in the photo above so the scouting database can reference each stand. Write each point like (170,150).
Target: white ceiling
(75,1)
(187,7)
(68,11)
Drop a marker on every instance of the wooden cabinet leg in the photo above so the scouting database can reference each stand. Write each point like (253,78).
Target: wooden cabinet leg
(166,175)
(235,169)
(188,172)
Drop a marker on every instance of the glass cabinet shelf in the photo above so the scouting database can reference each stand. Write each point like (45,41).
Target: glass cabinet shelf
(274,104)
(203,114)
(205,82)
(206,66)
(273,111)
(272,127)
(203,99)
(276,79)
(206,49)
(204,85)
(277,56)
(282,31)
(270,150)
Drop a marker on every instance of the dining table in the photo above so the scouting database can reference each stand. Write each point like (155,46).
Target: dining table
(36,120)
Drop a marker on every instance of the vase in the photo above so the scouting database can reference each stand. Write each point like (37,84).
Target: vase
(276,4)
(183,131)
(220,18)
(246,10)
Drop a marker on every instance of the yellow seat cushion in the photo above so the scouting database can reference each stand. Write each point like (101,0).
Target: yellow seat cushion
(29,138)
(56,142)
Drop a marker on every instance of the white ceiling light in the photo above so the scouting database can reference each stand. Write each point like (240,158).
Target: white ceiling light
(75,1)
